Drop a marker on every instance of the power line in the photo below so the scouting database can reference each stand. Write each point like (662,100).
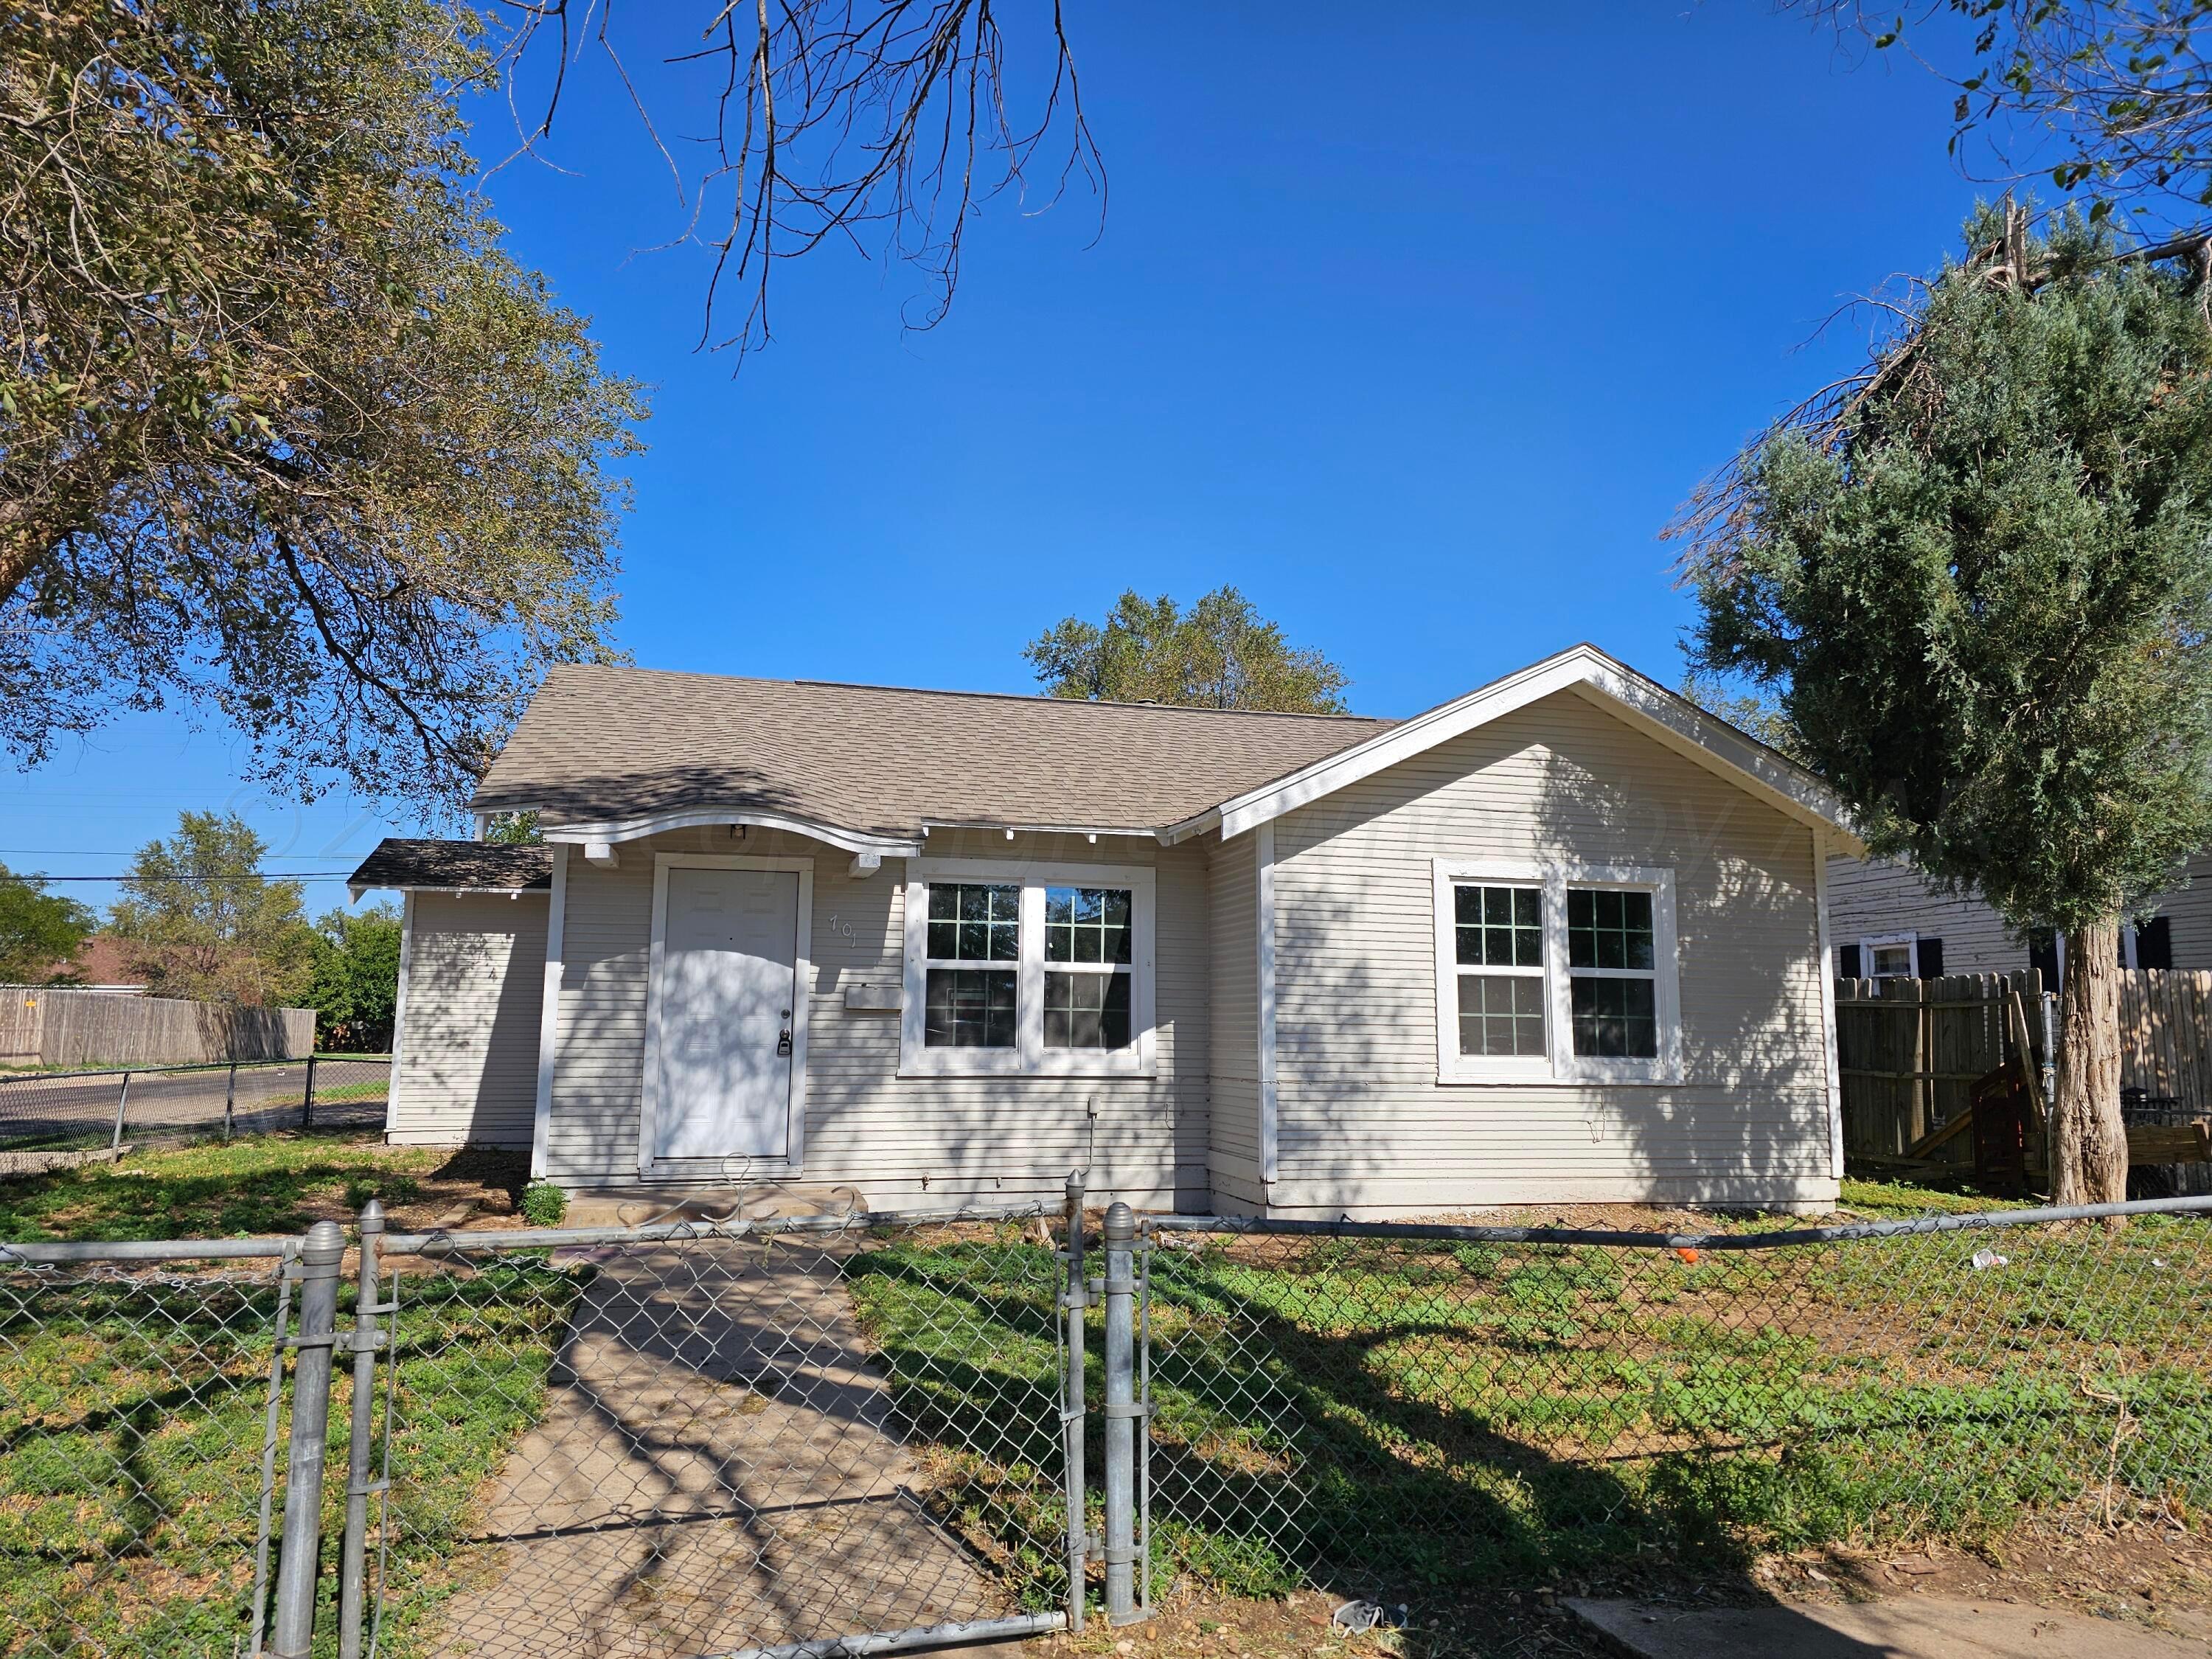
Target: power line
(84,852)
(299,875)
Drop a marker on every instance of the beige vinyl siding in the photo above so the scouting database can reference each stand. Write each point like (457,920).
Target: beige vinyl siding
(1868,898)
(468,1039)
(899,1141)
(1365,1124)
(1234,1160)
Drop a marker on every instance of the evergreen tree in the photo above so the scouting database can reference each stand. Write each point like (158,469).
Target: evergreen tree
(1978,586)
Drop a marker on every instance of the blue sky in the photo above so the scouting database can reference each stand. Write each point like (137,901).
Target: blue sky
(1417,331)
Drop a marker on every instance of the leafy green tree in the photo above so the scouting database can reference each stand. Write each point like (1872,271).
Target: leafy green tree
(514,830)
(284,436)
(200,920)
(1220,653)
(353,984)
(2109,97)
(1979,586)
(39,930)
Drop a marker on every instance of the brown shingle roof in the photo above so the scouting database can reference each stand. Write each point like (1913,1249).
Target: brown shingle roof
(455,864)
(602,744)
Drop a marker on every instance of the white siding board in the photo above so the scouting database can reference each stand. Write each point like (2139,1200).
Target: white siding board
(1365,1124)
(468,1042)
(898,1140)
(1233,1162)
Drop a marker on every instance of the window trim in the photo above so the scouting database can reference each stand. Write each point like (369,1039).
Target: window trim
(1029,1057)
(1870,943)
(1560,1064)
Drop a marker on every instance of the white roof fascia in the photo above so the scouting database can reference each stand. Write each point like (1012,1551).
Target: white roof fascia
(1711,742)
(1174,833)
(1093,830)
(621,829)
(442,887)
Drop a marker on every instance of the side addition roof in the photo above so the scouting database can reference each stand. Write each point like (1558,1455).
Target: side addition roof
(453,866)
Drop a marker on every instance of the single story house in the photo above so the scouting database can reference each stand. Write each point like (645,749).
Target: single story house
(1888,923)
(1561,940)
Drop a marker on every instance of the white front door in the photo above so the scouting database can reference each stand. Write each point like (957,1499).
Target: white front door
(725,1014)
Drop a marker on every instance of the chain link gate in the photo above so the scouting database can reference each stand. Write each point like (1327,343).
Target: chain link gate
(812,1436)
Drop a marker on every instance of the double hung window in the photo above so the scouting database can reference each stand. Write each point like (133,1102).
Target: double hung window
(1042,970)
(1560,972)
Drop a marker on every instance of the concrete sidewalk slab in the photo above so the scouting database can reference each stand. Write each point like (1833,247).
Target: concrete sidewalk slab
(718,1467)
(1910,1627)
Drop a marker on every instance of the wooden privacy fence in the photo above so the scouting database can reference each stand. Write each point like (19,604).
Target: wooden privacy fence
(1911,1049)
(48,1027)
(2166,1034)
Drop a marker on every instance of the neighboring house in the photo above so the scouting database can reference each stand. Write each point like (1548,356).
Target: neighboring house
(102,962)
(1887,923)
(1560,939)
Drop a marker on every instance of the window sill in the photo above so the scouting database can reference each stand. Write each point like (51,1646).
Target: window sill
(1013,1068)
(1550,1080)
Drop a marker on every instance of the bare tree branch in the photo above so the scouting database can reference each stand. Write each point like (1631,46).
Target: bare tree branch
(883,124)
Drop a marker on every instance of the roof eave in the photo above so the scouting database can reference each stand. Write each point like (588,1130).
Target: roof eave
(1700,737)
(615,830)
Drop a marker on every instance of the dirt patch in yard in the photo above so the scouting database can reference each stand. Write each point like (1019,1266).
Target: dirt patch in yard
(475,1187)
(2153,1573)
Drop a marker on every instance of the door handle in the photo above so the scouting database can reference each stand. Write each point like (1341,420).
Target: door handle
(783,1042)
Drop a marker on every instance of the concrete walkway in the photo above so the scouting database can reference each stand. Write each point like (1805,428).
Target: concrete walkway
(717,1469)
(1911,1627)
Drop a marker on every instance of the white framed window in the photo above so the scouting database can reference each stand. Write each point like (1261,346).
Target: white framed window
(1890,957)
(1556,972)
(1014,969)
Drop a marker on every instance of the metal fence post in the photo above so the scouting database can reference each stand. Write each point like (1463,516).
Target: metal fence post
(293,1629)
(307,1096)
(122,1100)
(1076,1301)
(230,1100)
(1122,1409)
(353,1556)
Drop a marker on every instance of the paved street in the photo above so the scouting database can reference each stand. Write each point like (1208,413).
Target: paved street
(36,1109)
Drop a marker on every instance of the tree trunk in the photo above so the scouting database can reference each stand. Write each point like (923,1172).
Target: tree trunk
(2088,1138)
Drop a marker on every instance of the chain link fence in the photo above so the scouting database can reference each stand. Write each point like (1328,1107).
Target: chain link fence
(140,1417)
(1386,1408)
(46,1114)
(672,1440)
(814,1436)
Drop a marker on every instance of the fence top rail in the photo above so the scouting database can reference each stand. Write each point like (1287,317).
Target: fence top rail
(539,1238)
(146,1250)
(65,1074)
(1450,1232)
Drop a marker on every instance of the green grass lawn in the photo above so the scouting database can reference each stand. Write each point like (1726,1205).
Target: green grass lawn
(1401,1415)
(131,1422)
(132,1405)
(264,1184)
(1349,1412)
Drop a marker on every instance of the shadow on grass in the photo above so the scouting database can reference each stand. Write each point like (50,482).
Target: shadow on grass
(1377,1420)
(256,1187)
